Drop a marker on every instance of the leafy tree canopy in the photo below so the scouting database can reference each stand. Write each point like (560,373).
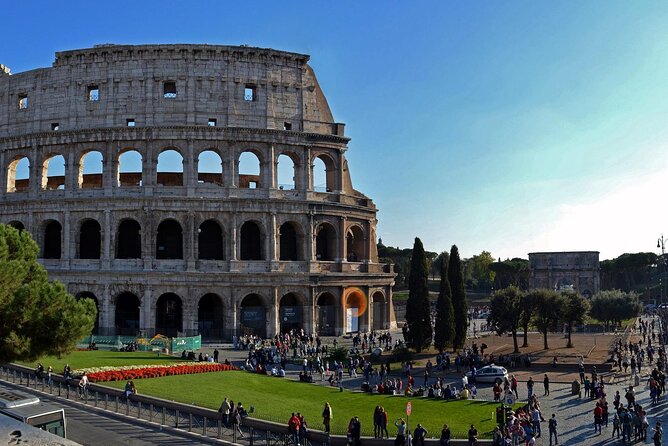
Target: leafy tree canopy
(38,317)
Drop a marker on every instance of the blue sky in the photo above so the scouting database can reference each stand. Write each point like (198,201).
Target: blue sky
(505,126)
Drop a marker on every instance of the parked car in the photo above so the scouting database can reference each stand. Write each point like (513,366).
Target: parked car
(489,374)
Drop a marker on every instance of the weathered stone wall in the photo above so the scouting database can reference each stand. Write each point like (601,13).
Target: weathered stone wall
(210,83)
(556,270)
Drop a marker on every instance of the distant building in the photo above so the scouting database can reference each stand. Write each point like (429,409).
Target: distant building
(578,270)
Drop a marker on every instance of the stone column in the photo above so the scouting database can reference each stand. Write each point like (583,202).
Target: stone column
(67,237)
(107,314)
(147,239)
(273,324)
(189,168)
(272,230)
(148,321)
(342,239)
(269,169)
(35,185)
(71,174)
(310,254)
(189,240)
(339,173)
(109,169)
(307,170)
(106,247)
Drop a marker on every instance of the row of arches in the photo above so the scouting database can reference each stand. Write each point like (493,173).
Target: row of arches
(169,241)
(253,311)
(129,170)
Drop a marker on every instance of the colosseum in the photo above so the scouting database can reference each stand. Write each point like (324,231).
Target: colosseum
(192,189)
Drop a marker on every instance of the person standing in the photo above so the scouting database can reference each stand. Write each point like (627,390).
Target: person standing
(377,422)
(535,420)
(598,418)
(473,436)
(419,435)
(658,434)
(552,426)
(401,432)
(293,429)
(215,355)
(303,431)
(383,425)
(327,417)
(355,429)
(546,385)
(529,388)
(513,386)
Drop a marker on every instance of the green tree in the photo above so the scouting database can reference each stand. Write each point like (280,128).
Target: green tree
(548,309)
(574,311)
(38,317)
(456,279)
(506,312)
(528,305)
(511,272)
(445,317)
(418,331)
(477,271)
(615,306)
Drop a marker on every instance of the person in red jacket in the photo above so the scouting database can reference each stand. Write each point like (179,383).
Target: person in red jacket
(293,428)
(598,418)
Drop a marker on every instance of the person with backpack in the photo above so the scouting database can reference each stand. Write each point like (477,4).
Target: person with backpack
(293,429)
(552,426)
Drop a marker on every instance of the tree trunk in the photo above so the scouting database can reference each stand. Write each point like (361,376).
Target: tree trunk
(570,343)
(545,340)
(517,350)
(525,343)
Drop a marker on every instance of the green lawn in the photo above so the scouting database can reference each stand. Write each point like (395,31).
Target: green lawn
(99,358)
(274,399)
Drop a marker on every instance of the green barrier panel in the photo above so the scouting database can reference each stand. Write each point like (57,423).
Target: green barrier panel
(107,340)
(190,343)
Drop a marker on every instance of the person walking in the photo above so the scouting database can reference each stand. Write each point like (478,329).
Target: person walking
(598,418)
(529,388)
(327,417)
(293,429)
(225,410)
(552,426)
(419,435)
(546,385)
(658,434)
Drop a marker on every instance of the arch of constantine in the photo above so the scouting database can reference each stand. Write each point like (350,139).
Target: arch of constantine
(153,178)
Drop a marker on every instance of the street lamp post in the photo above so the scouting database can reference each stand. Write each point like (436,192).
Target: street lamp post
(660,243)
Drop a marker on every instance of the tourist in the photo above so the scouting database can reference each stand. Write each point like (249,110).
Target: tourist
(535,419)
(529,388)
(130,389)
(616,426)
(546,385)
(83,386)
(383,423)
(658,434)
(419,435)
(49,376)
(236,420)
(377,422)
(401,432)
(473,436)
(303,430)
(225,409)
(598,418)
(355,431)
(552,427)
(445,436)
(327,417)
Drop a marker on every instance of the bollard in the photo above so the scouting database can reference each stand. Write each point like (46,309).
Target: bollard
(116,397)
(150,414)
(164,415)
(204,426)
(220,429)
(190,422)
(176,417)
(106,400)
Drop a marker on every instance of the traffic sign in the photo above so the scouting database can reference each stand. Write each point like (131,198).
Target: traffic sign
(509,400)
(409,408)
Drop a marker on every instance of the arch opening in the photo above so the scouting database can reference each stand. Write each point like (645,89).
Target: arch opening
(168,315)
(286,172)
(325,243)
(210,317)
(250,171)
(90,240)
(326,314)
(378,300)
(130,169)
(52,240)
(291,311)
(323,174)
(18,175)
(355,245)
(89,295)
(210,241)
(253,316)
(91,166)
(289,242)
(53,173)
(170,168)
(128,240)
(251,242)
(209,168)
(127,314)
(17,225)
(169,240)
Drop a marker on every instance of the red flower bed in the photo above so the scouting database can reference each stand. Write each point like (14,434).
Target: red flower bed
(157,371)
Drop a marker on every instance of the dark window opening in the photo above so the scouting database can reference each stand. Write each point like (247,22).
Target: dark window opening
(253,316)
(52,241)
(168,315)
(89,240)
(291,313)
(23,101)
(210,241)
(127,314)
(287,126)
(17,225)
(251,242)
(169,90)
(169,241)
(249,93)
(130,122)
(288,242)
(93,93)
(128,243)
(210,317)
(212,122)
(55,126)
(325,243)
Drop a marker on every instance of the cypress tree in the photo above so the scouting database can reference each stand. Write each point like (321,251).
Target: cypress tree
(445,318)
(418,331)
(456,277)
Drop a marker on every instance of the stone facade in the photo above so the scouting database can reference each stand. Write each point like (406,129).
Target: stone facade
(578,270)
(216,251)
